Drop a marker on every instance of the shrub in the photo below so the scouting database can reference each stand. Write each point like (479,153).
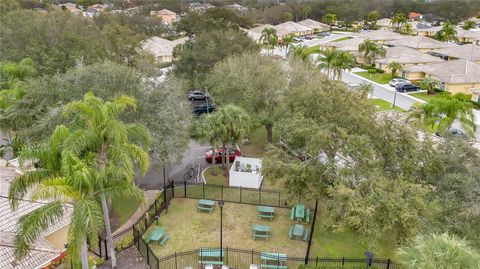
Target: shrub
(125,242)
(372,71)
(380,71)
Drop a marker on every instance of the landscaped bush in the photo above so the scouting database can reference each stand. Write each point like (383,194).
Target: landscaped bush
(381,71)
(372,71)
(125,242)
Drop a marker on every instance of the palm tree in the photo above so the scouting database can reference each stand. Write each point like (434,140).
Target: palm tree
(61,178)
(398,20)
(366,89)
(448,33)
(429,84)
(438,252)
(342,60)
(394,68)
(303,52)
(468,25)
(440,113)
(269,38)
(286,43)
(329,19)
(235,124)
(98,131)
(326,59)
(372,19)
(407,29)
(371,50)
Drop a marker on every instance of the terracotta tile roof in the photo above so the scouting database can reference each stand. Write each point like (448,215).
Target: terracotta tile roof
(406,55)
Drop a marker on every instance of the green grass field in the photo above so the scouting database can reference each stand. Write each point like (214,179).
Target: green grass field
(124,208)
(424,96)
(379,78)
(257,144)
(383,105)
(189,229)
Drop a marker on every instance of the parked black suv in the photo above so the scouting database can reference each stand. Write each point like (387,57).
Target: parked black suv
(407,87)
(203,108)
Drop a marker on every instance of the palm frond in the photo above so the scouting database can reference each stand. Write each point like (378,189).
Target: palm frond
(23,183)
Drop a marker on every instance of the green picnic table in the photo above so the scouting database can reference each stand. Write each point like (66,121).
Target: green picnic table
(266,212)
(273,260)
(260,231)
(211,256)
(299,214)
(298,232)
(158,235)
(205,205)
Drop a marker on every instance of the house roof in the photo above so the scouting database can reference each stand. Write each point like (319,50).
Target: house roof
(406,55)
(347,45)
(260,28)
(290,27)
(253,35)
(164,12)
(468,52)
(413,15)
(473,34)
(380,35)
(161,47)
(41,251)
(384,22)
(452,72)
(314,24)
(7,175)
(419,42)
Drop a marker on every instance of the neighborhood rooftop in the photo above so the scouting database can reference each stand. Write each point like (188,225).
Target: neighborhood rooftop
(314,24)
(41,250)
(350,44)
(467,52)
(380,35)
(419,42)
(453,72)
(406,55)
(161,47)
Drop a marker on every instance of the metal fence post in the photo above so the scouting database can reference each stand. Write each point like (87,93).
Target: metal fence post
(175,260)
(203,190)
(252,255)
(173,190)
(185,188)
(148,258)
(388,264)
(279,199)
(311,232)
(100,246)
(145,219)
(222,192)
(316,261)
(343,261)
(106,248)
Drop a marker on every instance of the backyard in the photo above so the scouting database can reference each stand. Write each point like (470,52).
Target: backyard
(189,229)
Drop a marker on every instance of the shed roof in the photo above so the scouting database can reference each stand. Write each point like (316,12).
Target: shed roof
(406,55)
(453,72)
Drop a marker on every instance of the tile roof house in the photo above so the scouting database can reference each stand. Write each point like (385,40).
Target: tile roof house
(69,7)
(260,28)
(468,36)
(456,75)
(385,24)
(162,49)
(381,35)
(292,28)
(421,43)
(49,246)
(253,35)
(467,52)
(415,16)
(315,25)
(166,15)
(350,45)
(406,57)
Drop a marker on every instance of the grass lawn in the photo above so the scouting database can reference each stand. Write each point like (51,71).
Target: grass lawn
(189,229)
(217,179)
(341,39)
(313,49)
(258,140)
(124,208)
(384,105)
(424,96)
(379,78)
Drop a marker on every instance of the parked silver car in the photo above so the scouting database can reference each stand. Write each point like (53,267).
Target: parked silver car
(394,82)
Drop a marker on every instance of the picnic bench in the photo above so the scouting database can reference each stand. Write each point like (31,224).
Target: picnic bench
(300,214)
(298,233)
(260,231)
(266,212)
(205,205)
(158,235)
(273,260)
(210,256)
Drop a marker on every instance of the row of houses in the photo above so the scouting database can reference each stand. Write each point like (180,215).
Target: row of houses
(300,28)
(456,66)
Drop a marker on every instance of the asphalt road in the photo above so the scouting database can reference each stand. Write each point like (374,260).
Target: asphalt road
(154,179)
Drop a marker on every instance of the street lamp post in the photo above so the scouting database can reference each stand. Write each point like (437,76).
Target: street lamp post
(221,203)
(394,99)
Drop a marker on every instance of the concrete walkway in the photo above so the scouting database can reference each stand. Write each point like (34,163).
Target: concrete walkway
(149,198)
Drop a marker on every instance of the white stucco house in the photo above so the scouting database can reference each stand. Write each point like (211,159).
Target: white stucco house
(246,172)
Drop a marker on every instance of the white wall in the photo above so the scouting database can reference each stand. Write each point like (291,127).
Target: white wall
(246,179)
